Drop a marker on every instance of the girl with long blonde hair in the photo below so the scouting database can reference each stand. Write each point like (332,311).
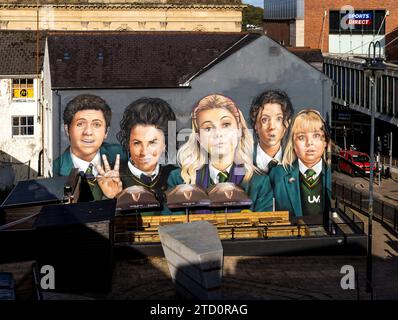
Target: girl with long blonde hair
(302,183)
(219,149)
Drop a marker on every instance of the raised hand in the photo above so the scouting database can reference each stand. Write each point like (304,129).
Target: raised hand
(108,179)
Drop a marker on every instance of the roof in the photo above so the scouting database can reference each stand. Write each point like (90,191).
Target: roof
(136,59)
(307,54)
(18,54)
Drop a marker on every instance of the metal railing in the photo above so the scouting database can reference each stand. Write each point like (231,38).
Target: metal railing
(385,212)
(386,161)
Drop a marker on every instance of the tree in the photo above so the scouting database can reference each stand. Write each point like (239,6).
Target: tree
(252,16)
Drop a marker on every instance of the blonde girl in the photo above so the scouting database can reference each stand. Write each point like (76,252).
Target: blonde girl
(302,183)
(220,149)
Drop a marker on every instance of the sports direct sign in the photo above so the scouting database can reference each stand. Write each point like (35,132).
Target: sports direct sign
(359,19)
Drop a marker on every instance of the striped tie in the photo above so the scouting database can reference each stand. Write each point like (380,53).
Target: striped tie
(147,180)
(223,177)
(89,174)
(271,164)
(89,169)
(309,174)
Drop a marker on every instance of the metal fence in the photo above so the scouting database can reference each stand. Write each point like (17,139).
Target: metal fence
(386,161)
(382,210)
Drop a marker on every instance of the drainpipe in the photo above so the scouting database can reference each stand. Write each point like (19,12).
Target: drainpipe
(40,164)
(59,124)
(40,161)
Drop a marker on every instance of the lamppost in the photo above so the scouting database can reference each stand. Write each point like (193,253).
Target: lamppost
(373,69)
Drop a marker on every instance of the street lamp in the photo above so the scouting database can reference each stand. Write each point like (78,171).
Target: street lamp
(374,68)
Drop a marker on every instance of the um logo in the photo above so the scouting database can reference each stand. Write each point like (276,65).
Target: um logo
(348,280)
(315,199)
(48,279)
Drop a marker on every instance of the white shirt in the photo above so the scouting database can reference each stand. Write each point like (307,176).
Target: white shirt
(263,159)
(317,168)
(83,165)
(137,172)
(214,172)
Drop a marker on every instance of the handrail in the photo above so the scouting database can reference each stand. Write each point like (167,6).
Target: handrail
(387,213)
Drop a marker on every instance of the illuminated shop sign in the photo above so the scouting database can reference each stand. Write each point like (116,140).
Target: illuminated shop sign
(360,19)
(357,22)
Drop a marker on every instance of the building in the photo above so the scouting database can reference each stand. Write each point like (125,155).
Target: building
(20,112)
(343,31)
(122,15)
(334,26)
(351,103)
(392,49)
(180,67)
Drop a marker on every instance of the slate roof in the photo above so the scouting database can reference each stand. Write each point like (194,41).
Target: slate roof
(307,54)
(18,52)
(136,59)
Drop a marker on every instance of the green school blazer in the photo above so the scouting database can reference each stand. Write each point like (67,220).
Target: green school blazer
(286,188)
(63,165)
(159,185)
(258,189)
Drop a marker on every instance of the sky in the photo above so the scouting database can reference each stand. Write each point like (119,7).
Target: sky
(256,3)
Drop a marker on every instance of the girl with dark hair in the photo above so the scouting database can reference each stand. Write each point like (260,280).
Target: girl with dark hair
(270,115)
(143,135)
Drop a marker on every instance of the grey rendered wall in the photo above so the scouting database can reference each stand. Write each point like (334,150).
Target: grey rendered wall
(261,65)
(265,65)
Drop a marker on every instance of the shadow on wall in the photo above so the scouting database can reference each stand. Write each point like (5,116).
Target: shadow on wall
(11,171)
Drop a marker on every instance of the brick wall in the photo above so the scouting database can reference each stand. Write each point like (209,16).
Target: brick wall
(314,10)
(392,49)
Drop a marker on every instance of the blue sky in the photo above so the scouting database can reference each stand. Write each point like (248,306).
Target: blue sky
(257,3)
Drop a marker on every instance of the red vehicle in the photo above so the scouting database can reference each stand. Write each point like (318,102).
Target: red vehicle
(352,162)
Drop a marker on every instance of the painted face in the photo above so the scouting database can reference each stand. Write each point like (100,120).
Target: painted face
(309,146)
(218,132)
(147,144)
(269,126)
(87,132)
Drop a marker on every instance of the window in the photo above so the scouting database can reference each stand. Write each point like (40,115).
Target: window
(334,22)
(22,126)
(22,89)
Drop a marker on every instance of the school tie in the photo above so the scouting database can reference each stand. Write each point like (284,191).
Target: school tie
(89,174)
(309,174)
(272,164)
(147,180)
(223,177)
(89,169)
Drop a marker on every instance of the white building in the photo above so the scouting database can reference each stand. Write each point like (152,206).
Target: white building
(20,129)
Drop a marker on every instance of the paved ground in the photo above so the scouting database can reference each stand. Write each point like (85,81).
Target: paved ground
(388,191)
